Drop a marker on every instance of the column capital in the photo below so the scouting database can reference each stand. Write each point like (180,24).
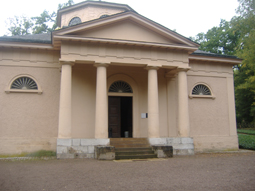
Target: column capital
(101,64)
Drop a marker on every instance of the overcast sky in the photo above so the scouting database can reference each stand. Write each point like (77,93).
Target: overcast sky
(187,17)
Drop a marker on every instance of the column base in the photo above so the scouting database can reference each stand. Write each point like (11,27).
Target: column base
(79,148)
(181,145)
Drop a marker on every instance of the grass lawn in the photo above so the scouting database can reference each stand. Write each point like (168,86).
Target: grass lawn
(246,131)
(247,140)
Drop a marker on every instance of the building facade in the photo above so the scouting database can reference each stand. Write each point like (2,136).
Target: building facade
(110,72)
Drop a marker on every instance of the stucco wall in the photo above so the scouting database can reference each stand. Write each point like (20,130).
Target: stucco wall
(29,121)
(88,13)
(83,98)
(212,121)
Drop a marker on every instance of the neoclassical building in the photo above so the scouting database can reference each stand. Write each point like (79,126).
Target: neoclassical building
(109,72)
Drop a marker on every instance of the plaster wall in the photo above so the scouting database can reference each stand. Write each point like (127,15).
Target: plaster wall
(212,121)
(88,13)
(29,121)
(122,55)
(83,98)
(126,30)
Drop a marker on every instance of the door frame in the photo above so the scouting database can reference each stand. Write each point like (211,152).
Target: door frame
(135,105)
(117,96)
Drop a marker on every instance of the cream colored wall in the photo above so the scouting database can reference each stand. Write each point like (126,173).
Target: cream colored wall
(83,98)
(123,55)
(83,101)
(212,121)
(126,30)
(29,121)
(88,13)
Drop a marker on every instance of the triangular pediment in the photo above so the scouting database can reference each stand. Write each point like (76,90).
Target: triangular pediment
(125,30)
(127,26)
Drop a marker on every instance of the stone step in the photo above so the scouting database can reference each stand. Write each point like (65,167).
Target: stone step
(132,148)
(141,149)
(145,156)
(129,142)
(134,153)
(129,146)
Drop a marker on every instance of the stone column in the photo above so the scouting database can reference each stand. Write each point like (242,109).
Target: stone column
(153,108)
(65,110)
(183,108)
(101,116)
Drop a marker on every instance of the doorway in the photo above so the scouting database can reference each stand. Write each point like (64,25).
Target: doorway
(120,117)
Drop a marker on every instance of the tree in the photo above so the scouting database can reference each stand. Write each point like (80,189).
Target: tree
(20,25)
(245,75)
(46,22)
(219,40)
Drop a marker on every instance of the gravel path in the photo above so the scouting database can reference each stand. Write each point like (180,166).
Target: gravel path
(232,171)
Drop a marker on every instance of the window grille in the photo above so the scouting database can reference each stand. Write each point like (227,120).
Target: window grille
(74,21)
(201,89)
(24,83)
(120,87)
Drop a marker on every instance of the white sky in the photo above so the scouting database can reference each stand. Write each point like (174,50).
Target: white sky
(188,17)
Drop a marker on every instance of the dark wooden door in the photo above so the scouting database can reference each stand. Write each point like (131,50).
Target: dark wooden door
(114,118)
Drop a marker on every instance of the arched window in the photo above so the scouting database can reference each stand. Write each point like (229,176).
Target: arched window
(74,21)
(120,87)
(24,83)
(103,16)
(201,89)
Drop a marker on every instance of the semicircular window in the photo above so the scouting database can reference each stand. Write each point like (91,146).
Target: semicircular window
(24,83)
(201,89)
(74,21)
(120,87)
(103,16)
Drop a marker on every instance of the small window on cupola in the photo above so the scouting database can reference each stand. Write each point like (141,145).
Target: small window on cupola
(74,21)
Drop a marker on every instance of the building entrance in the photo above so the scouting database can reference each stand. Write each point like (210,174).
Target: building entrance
(120,122)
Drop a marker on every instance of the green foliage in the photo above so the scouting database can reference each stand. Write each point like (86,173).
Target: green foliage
(246,141)
(46,22)
(20,25)
(246,131)
(246,7)
(219,40)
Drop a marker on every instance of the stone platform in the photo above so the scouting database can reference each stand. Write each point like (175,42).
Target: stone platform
(101,148)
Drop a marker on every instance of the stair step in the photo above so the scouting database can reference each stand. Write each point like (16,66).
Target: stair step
(133,149)
(146,156)
(134,153)
(129,142)
(130,146)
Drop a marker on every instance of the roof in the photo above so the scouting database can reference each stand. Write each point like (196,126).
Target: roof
(45,38)
(203,53)
(31,38)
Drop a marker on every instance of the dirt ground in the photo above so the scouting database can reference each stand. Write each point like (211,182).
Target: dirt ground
(232,171)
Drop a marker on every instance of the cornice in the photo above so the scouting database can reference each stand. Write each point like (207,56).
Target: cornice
(232,61)
(59,38)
